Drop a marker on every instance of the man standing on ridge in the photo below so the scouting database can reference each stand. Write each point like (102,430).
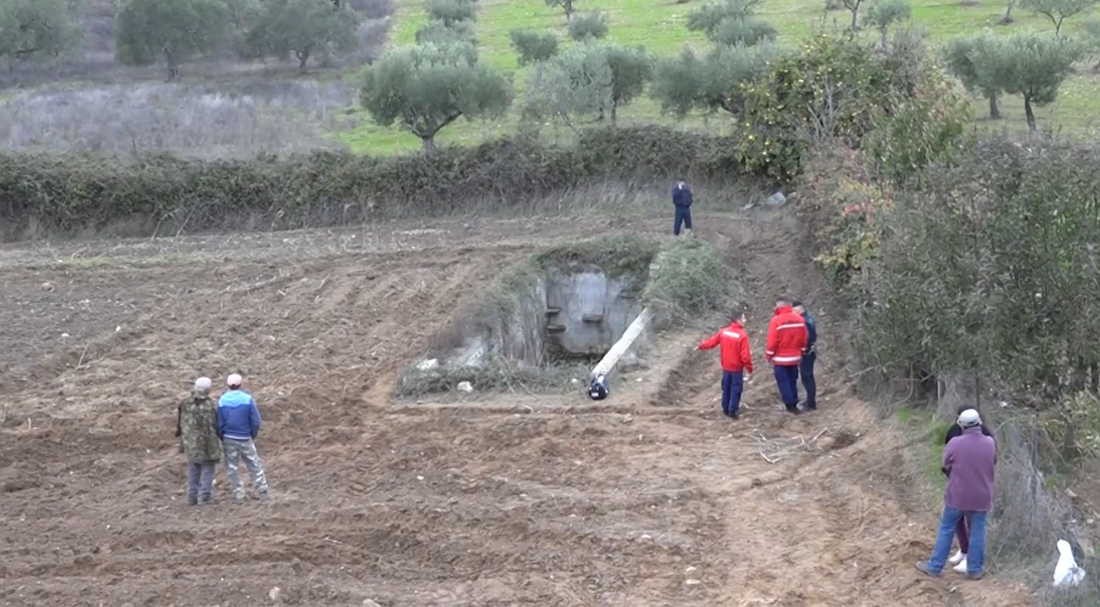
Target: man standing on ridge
(736,357)
(197,429)
(787,338)
(809,357)
(682,199)
(238,425)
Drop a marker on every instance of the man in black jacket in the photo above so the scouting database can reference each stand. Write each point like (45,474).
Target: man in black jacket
(682,199)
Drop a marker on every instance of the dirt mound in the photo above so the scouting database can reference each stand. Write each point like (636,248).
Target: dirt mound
(630,504)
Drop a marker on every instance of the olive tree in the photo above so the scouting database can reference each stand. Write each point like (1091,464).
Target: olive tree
(303,28)
(1031,65)
(588,25)
(731,22)
(631,69)
(589,80)
(853,6)
(451,11)
(979,63)
(424,88)
(568,6)
(886,13)
(575,85)
(439,33)
(533,46)
(35,29)
(712,82)
(169,31)
(1058,10)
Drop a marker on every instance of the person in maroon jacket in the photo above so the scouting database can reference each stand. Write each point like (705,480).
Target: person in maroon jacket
(787,337)
(970,460)
(736,357)
(959,558)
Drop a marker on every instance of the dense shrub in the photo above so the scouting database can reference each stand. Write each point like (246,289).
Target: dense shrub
(831,88)
(688,280)
(992,267)
(66,194)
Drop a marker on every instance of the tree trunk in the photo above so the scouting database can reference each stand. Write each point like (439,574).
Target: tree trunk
(855,15)
(428,143)
(303,58)
(613,113)
(994,110)
(1008,13)
(1030,114)
(1058,26)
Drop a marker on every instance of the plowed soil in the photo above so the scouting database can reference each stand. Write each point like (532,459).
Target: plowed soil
(651,499)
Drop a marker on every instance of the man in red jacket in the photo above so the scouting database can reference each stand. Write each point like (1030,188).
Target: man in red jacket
(787,336)
(736,359)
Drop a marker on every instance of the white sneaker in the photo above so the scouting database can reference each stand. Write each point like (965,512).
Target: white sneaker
(955,558)
(961,567)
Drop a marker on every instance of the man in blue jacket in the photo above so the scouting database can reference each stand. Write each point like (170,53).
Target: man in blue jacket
(238,425)
(682,199)
(809,357)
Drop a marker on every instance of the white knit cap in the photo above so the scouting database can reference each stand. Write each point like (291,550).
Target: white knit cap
(203,384)
(969,419)
(233,380)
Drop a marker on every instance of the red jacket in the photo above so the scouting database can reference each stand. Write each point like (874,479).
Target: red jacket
(734,340)
(787,337)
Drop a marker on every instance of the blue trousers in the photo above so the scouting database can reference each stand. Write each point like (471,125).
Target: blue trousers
(731,391)
(786,378)
(975,556)
(806,370)
(683,217)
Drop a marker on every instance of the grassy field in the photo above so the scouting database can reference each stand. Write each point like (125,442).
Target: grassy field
(659,25)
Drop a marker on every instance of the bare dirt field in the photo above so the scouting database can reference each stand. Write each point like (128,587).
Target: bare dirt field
(651,499)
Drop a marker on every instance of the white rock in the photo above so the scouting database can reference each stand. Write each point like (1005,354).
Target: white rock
(692,582)
(777,199)
(428,365)
(465,386)
(370,603)
(274,594)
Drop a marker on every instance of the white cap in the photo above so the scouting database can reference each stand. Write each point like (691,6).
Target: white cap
(203,384)
(969,419)
(233,380)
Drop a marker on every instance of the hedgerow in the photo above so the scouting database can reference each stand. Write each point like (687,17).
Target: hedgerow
(65,194)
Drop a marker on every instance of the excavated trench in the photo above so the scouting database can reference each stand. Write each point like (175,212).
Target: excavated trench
(562,315)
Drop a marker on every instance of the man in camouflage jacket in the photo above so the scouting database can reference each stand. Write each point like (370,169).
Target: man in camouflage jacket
(197,427)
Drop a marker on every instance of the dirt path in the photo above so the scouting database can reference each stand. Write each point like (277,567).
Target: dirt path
(657,500)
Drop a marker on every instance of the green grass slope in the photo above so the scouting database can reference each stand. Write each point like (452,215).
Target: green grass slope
(659,25)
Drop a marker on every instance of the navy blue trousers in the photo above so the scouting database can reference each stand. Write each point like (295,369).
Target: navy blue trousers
(731,391)
(806,370)
(683,217)
(787,380)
